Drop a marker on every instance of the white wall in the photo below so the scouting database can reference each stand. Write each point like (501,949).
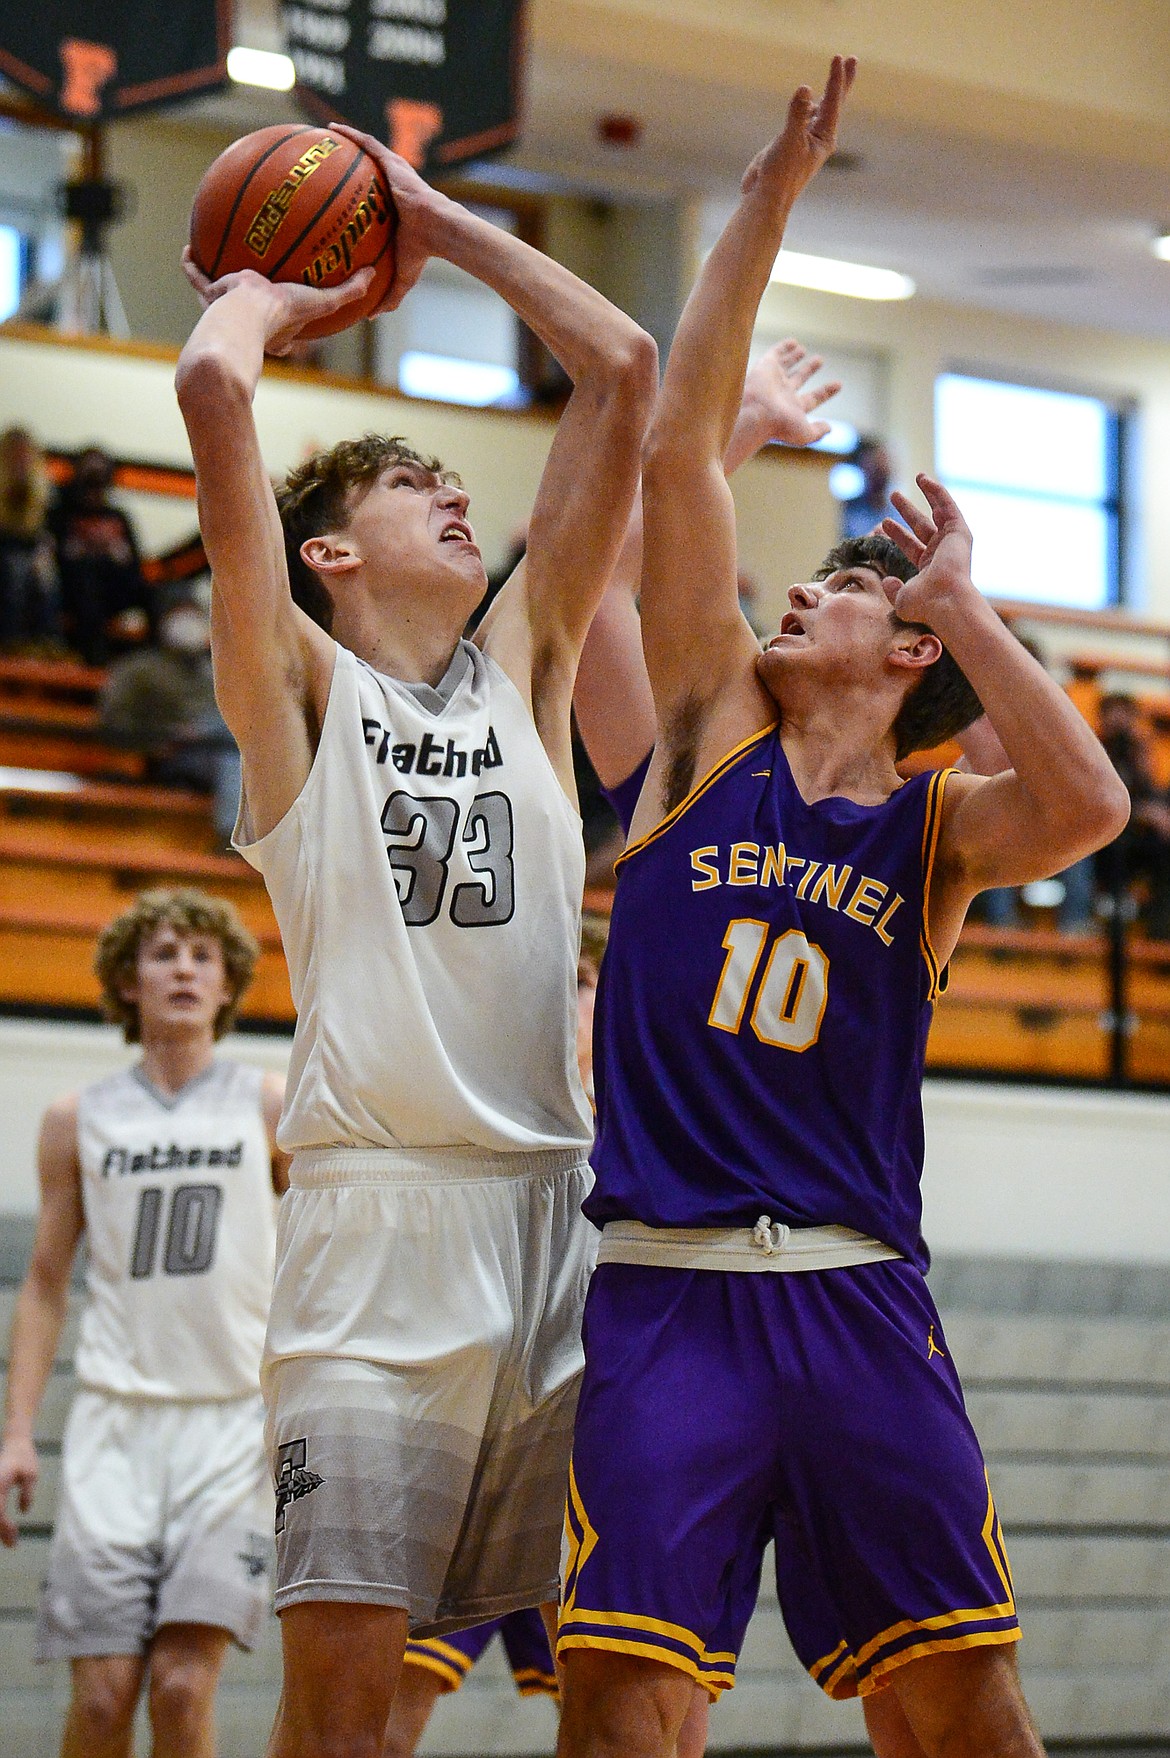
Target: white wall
(1010,1171)
(919,339)
(123,397)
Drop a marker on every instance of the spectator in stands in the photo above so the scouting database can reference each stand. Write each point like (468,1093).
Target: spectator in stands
(1142,851)
(161,701)
(104,595)
(30,609)
(867,509)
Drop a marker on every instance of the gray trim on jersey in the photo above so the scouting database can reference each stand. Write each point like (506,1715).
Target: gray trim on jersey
(171,1101)
(435,697)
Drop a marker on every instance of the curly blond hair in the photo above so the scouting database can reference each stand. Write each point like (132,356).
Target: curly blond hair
(315,499)
(188,911)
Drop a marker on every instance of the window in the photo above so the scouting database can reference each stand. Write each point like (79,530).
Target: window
(12,260)
(1038,476)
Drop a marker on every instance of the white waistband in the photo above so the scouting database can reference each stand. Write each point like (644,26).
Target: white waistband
(769,1245)
(320,1168)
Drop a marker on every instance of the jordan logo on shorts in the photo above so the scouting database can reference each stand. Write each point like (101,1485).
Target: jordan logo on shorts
(293,1480)
(933,1348)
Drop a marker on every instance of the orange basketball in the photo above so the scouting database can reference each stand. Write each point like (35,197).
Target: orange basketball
(297,204)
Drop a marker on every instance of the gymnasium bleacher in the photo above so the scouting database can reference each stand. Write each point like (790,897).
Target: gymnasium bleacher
(1067,1376)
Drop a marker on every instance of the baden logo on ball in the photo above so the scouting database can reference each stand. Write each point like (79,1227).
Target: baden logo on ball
(297,204)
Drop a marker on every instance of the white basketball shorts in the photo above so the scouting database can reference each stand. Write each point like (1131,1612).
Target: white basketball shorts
(164,1518)
(421,1375)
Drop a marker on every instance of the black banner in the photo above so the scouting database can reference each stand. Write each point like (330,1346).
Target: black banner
(439,79)
(93,59)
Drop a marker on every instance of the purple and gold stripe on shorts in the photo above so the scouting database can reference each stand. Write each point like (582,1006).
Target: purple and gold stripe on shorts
(531,1681)
(627,1632)
(843,1673)
(437,1656)
(652,1639)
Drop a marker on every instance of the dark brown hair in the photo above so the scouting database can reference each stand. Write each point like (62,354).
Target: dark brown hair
(316,498)
(942,702)
(189,912)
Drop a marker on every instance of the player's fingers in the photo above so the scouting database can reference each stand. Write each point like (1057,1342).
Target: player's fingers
(805,369)
(919,522)
(194,274)
(26,1489)
(942,503)
(369,143)
(906,541)
(818,430)
(820,394)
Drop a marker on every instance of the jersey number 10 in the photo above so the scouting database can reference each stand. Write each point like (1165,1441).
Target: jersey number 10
(191,1230)
(793,992)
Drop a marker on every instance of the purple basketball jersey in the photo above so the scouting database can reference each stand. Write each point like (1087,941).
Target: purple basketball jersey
(764,1007)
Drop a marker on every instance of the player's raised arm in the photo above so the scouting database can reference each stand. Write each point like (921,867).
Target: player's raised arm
(612,698)
(537,626)
(694,634)
(270,660)
(40,1307)
(1061,798)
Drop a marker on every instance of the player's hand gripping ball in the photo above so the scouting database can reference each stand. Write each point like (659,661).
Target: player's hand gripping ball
(297,204)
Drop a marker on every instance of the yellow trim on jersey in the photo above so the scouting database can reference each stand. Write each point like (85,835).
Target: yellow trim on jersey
(931,827)
(696,792)
(947,1645)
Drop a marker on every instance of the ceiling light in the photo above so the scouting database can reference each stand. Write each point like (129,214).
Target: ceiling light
(258,67)
(825,274)
(1161,245)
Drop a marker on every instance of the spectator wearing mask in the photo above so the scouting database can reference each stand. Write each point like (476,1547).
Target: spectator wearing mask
(104,596)
(29,595)
(161,701)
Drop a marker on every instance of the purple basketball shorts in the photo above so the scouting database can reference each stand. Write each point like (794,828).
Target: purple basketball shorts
(820,1409)
(525,1642)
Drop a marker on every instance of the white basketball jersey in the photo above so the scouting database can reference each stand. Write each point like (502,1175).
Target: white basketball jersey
(427,882)
(180,1224)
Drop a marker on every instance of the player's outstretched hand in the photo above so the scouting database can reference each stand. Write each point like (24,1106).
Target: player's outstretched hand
(419,209)
(292,305)
(19,1470)
(810,133)
(776,401)
(938,543)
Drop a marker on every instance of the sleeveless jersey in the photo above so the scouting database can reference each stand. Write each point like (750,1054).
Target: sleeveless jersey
(180,1225)
(764,1006)
(427,882)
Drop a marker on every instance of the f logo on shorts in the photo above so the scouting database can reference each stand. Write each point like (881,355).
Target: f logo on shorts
(293,1479)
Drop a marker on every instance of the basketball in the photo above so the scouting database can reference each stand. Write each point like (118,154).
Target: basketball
(297,204)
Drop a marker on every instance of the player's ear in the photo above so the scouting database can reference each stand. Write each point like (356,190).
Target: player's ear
(915,650)
(330,554)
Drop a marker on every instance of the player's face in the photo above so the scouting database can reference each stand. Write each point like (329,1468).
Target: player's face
(180,983)
(411,527)
(841,627)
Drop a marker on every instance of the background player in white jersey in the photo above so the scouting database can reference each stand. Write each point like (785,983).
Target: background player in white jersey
(409,799)
(170,1171)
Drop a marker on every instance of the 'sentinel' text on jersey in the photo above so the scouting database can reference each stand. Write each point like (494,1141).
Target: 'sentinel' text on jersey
(761,865)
